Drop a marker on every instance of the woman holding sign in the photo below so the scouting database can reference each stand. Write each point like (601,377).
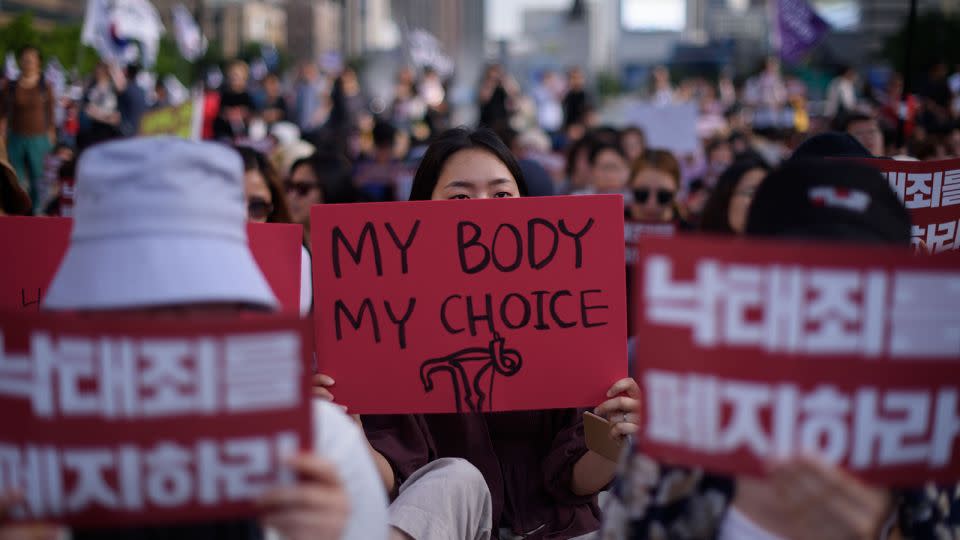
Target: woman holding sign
(542,479)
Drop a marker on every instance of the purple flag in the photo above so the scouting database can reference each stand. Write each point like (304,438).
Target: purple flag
(799,28)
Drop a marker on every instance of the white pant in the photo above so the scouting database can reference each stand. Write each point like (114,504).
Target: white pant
(447,499)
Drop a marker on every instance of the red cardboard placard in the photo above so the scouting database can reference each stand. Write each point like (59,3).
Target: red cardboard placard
(37,245)
(421,307)
(749,350)
(142,421)
(931,192)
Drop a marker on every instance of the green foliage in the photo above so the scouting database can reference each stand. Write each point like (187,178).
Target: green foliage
(936,38)
(63,42)
(608,84)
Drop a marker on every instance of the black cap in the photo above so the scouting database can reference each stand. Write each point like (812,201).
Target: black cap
(828,199)
(831,144)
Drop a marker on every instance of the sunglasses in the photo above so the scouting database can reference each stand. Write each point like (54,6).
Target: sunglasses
(258,208)
(664,196)
(300,188)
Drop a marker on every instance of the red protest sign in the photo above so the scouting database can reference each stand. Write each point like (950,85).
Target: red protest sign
(457,306)
(931,192)
(751,350)
(37,245)
(33,249)
(633,231)
(127,421)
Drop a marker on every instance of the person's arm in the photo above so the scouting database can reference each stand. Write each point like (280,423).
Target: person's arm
(118,77)
(51,118)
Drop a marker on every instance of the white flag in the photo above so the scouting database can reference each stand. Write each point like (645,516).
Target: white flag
(113,26)
(189,38)
(11,71)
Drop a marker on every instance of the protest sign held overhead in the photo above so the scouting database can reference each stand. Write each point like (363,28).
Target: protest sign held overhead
(931,192)
(752,351)
(441,306)
(126,421)
(275,246)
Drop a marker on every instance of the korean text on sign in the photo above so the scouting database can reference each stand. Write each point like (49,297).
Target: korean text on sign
(144,422)
(751,351)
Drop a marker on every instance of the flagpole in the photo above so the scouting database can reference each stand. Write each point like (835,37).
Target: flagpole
(907,75)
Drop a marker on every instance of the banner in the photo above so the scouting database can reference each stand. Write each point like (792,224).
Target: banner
(633,231)
(931,192)
(749,351)
(144,421)
(681,139)
(25,279)
(798,28)
(470,306)
(115,27)
(184,120)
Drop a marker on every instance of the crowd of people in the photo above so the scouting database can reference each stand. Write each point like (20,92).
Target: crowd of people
(322,140)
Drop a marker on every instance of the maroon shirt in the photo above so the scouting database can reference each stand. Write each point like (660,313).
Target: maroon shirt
(527,459)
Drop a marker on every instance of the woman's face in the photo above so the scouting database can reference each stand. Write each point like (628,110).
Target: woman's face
(30,62)
(610,172)
(742,197)
(303,191)
(633,145)
(257,193)
(654,192)
(475,174)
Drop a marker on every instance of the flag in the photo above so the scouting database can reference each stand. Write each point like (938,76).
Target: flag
(799,28)
(55,76)
(11,71)
(115,28)
(426,51)
(189,38)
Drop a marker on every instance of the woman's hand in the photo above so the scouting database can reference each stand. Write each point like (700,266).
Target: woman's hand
(622,410)
(321,383)
(316,508)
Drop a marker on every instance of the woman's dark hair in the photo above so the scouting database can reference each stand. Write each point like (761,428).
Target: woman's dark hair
(605,146)
(716,212)
(334,174)
(255,161)
(449,143)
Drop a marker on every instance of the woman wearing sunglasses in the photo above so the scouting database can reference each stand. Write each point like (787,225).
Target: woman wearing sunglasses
(266,204)
(654,181)
(322,178)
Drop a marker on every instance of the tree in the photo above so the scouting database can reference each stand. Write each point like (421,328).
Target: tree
(936,38)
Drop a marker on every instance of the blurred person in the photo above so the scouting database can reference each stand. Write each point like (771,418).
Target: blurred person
(634,142)
(577,167)
(322,178)
(432,91)
(548,95)
(609,169)
(769,96)
(358,110)
(800,496)
(131,99)
(377,174)
(273,106)
(576,102)
(655,182)
(719,156)
(842,94)
(497,94)
(14,201)
(27,123)
(161,97)
(936,98)
(543,485)
(662,89)
(953,143)
(311,92)
(525,147)
(694,201)
(726,209)
(236,104)
(266,203)
(865,129)
(141,246)
(101,119)
(407,109)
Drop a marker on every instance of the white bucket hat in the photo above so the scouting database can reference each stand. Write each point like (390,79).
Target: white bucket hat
(158,221)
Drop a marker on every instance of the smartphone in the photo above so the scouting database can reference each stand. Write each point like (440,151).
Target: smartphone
(596,432)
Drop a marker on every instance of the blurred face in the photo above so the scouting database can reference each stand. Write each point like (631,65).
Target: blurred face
(272,86)
(257,193)
(237,77)
(475,174)
(742,197)
(303,191)
(610,172)
(29,62)
(721,157)
(869,134)
(633,145)
(654,192)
